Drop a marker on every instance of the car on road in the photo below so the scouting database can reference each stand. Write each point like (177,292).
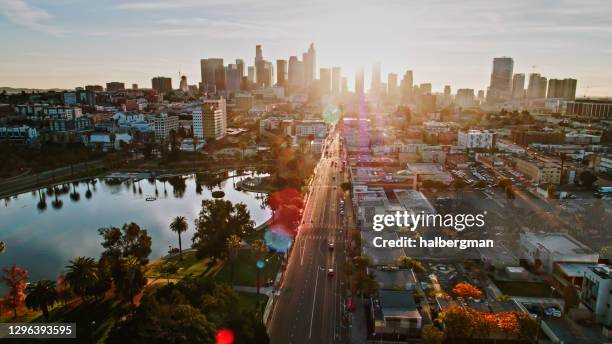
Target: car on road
(330,245)
(552,312)
(330,272)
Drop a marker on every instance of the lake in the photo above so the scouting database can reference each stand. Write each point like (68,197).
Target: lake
(44,240)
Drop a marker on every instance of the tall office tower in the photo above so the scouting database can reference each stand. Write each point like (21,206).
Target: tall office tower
(447,94)
(115,86)
(392,88)
(336,79)
(161,84)
(296,72)
(344,88)
(518,86)
(425,88)
(240,64)
(258,53)
(213,74)
(251,74)
(310,64)
(265,74)
(406,87)
(259,65)
(375,85)
(500,87)
(465,97)
(210,122)
(325,79)
(281,72)
(565,89)
(481,95)
(537,86)
(183,85)
(359,82)
(232,78)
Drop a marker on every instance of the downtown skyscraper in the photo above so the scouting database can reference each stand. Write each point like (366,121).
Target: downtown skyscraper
(500,87)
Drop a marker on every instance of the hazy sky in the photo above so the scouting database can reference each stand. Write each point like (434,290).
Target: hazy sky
(68,43)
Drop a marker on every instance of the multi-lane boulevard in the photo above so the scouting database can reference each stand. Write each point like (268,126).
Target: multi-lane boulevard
(309,308)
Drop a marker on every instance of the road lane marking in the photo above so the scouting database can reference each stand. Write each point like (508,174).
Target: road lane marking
(314,298)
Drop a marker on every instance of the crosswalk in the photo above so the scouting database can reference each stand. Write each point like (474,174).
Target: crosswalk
(321,237)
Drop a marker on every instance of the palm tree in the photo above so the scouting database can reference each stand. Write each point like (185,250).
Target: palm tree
(179,225)
(132,279)
(82,274)
(233,248)
(41,296)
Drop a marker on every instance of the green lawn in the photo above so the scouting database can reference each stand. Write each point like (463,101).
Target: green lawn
(190,265)
(250,300)
(527,289)
(245,270)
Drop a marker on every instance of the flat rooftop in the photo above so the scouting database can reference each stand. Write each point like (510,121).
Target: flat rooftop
(558,243)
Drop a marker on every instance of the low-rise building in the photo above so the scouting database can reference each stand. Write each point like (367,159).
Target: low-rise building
(306,128)
(539,172)
(475,139)
(596,292)
(18,134)
(163,124)
(546,249)
(395,314)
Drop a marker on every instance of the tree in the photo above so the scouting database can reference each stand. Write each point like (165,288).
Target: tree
(217,220)
(432,335)
(466,291)
(15,279)
(169,268)
(82,275)
(130,240)
(131,280)
(179,225)
(405,262)
(367,284)
(587,178)
(233,248)
(42,295)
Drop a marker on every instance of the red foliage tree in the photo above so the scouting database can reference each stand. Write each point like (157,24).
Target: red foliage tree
(15,279)
(466,290)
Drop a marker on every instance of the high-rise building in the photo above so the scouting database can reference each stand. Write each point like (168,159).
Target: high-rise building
(296,72)
(562,88)
(375,85)
(518,86)
(115,86)
(392,88)
(447,95)
(281,72)
(211,121)
(213,74)
(425,88)
(359,81)
(310,64)
(232,78)
(500,87)
(94,88)
(251,74)
(162,84)
(183,85)
(336,79)
(240,64)
(258,53)
(406,87)
(325,79)
(537,86)
(465,97)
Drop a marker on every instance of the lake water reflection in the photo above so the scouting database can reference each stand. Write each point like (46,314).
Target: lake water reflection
(44,240)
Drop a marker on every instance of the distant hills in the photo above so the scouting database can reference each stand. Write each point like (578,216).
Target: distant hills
(11,90)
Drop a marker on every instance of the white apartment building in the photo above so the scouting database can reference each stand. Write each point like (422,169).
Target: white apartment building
(163,124)
(21,134)
(596,292)
(311,127)
(475,138)
(210,122)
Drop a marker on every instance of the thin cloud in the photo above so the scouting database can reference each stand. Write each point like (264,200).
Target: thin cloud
(32,17)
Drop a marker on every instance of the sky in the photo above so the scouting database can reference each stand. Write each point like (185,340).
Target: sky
(72,43)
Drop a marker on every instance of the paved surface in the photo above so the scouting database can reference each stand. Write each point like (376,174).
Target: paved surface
(310,305)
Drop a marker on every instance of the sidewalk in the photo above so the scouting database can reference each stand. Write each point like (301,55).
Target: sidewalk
(358,327)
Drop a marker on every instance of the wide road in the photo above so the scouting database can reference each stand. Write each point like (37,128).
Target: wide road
(310,305)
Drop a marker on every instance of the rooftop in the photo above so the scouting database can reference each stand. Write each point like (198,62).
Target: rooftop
(391,303)
(557,243)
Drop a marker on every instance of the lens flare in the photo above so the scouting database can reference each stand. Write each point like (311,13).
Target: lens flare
(277,240)
(224,336)
(331,114)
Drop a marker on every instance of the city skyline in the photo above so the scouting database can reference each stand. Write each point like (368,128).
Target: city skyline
(57,44)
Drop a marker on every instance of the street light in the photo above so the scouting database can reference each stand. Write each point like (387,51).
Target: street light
(260,264)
